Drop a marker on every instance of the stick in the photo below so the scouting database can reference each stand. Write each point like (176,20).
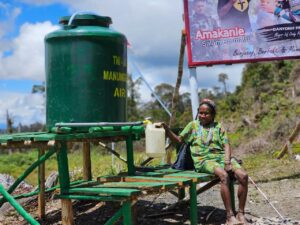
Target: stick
(289,142)
(263,194)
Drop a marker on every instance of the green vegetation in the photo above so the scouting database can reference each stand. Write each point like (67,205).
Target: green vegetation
(15,164)
(260,166)
(260,115)
(265,167)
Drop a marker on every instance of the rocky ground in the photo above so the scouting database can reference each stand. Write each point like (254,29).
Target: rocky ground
(283,194)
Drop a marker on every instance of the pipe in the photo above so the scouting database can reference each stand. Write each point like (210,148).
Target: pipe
(99,124)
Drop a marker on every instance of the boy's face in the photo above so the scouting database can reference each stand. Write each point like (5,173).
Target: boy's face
(205,114)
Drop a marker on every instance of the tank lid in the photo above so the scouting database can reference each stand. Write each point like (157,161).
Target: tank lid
(87,20)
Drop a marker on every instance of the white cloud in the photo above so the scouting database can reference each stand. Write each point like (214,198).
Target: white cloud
(11,13)
(7,25)
(23,108)
(26,60)
(153,29)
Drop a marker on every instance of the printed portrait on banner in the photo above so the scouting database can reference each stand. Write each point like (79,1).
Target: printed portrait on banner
(235,31)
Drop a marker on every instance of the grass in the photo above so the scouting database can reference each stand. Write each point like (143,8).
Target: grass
(102,164)
(265,167)
(260,166)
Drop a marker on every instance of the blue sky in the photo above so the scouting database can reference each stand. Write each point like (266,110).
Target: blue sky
(153,28)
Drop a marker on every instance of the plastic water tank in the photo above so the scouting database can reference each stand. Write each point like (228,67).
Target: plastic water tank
(86,71)
(155,141)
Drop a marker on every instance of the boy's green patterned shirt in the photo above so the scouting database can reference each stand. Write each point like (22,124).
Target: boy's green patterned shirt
(200,151)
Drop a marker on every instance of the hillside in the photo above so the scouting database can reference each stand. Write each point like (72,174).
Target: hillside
(264,109)
(259,115)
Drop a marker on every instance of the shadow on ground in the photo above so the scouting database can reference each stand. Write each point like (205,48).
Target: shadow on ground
(92,213)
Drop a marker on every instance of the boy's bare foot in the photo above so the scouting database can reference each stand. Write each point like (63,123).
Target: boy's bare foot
(231,220)
(240,216)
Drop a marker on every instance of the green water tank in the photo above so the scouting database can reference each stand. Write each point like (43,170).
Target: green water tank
(86,71)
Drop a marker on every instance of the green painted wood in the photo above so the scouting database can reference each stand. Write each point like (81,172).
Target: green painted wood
(63,168)
(193,204)
(140,185)
(150,174)
(79,182)
(199,176)
(168,170)
(93,197)
(127,213)
(130,158)
(17,206)
(105,190)
(184,181)
(136,131)
(115,217)
(84,183)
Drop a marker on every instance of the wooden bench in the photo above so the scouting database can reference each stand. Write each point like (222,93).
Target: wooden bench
(126,189)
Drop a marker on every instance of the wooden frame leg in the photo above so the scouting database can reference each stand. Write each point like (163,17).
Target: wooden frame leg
(193,204)
(41,195)
(67,212)
(87,166)
(127,213)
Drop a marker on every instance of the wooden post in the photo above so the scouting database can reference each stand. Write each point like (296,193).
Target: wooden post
(289,141)
(87,168)
(67,212)
(41,196)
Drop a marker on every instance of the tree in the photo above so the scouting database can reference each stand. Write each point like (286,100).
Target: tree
(222,78)
(38,88)
(133,98)
(216,90)
(165,93)
(9,123)
(175,98)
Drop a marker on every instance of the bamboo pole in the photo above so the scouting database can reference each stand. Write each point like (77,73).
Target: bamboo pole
(41,196)
(289,141)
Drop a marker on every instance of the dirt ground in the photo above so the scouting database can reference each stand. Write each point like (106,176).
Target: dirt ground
(283,194)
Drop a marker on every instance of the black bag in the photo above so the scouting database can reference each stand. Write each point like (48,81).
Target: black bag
(184,159)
